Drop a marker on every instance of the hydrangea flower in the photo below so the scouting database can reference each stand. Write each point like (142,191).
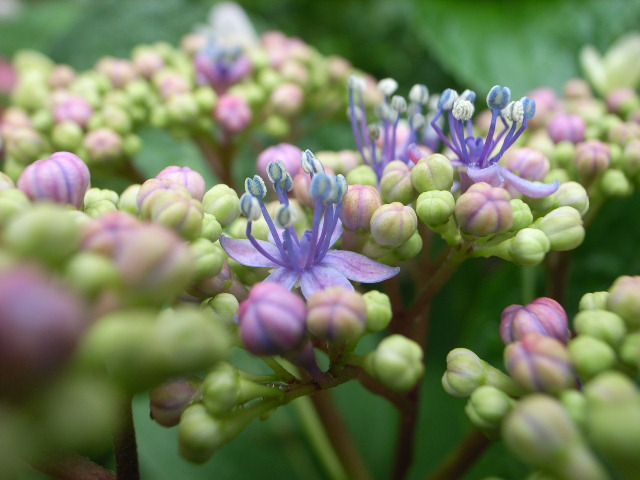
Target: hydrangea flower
(306,260)
(476,157)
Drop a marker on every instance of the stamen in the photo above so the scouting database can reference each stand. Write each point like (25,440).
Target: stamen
(419,94)
(387,86)
(250,207)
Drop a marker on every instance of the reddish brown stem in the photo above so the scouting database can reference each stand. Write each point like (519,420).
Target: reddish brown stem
(76,468)
(124,445)
(463,457)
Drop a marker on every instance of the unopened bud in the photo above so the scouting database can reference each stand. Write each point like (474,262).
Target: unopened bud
(484,210)
(397,363)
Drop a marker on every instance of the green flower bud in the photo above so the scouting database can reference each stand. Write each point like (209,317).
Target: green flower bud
(409,249)
(211,228)
(594,301)
(45,232)
(630,350)
(277,126)
(614,184)
(116,118)
(541,433)
(563,155)
(182,108)
(363,175)
(208,258)
(529,247)
(484,210)
(433,172)
(223,307)
(128,201)
(563,227)
(67,136)
(522,216)
(572,194)
(486,409)
(396,363)
(624,299)
(336,314)
(173,210)
(169,400)
(630,163)
(393,224)
(575,403)
(206,99)
(199,434)
(222,202)
(12,201)
(590,356)
(379,312)
(156,189)
(100,208)
(94,195)
(395,183)
(435,208)
(91,273)
(601,324)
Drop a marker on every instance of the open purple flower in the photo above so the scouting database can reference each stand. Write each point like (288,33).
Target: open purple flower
(476,157)
(221,65)
(306,260)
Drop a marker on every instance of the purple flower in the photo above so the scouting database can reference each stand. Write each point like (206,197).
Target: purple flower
(475,157)
(221,66)
(306,260)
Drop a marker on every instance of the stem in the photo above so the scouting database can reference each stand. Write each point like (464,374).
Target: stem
(528,277)
(218,157)
(284,374)
(468,451)
(558,266)
(124,445)
(76,468)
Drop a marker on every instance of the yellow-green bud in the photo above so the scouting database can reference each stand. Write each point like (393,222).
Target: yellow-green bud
(208,258)
(409,249)
(395,183)
(211,228)
(572,194)
(379,311)
(601,324)
(563,227)
(90,273)
(529,247)
(199,434)
(614,183)
(224,307)
(590,356)
(436,207)
(397,363)
(630,350)
(222,202)
(624,299)
(522,216)
(12,201)
(487,407)
(594,301)
(393,224)
(433,172)
(128,201)
(362,175)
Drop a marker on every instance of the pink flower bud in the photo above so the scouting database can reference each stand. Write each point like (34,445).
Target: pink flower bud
(148,62)
(61,76)
(528,163)
(155,188)
(75,109)
(484,210)
(171,83)
(287,99)
(542,315)
(119,70)
(192,180)
(592,158)
(358,206)
(103,145)
(289,154)
(233,113)
(567,127)
(61,178)
(336,314)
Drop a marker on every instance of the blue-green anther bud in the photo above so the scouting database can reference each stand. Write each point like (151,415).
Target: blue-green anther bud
(498,97)
(276,171)
(601,324)
(614,184)
(594,301)
(563,226)
(250,207)
(310,163)
(255,186)
(522,216)
(590,356)
(399,104)
(397,363)
(435,207)
(529,106)
(447,99)
(486,409)
(356,84)
(285,217)
(286,183)
(362,175)
(540,432)
(572,194)
(222,202)
(529,247)
(379,311)
(419,94)
(395,184)
(342,186)
(387,86)
(469,95)
(322,187)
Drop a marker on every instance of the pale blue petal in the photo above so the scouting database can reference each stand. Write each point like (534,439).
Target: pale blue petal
(242,251)
(285,277)
(359,268)
(320,277)
(498,176)
(337,233)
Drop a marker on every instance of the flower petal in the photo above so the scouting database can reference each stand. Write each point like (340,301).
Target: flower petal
(283,276)
(497,175)
(337,233)
(242,251)
(321,277)
(357,267)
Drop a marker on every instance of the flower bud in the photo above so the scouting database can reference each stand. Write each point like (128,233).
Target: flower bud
(631,158)
(630,350)
(540,363)
(433,172)
(62,178)
(362,175)
(222,202)
(223,306)
(128,200)
(208,258)
(192,180)
(182,109)
(155,188)
(594,301)
(527,163)
(572,194)
(169,400)
(393,224)
(103,145)
(91,273)
(590,356)
(529,247)
(567,127)
(233,113)
(522,216)
(487,407)
(211,228)
(600,324)
(542,315)
(614,184)
(484,210)
(287,153)
(409,249)
(435,207)
(624,299)
(379,312)
(541,433)
(563,227)
(67,136)
(395,183)
(358,206)
(272,320)
(396,363)
(336,314)
(184,215)
(592,158)
(199,434)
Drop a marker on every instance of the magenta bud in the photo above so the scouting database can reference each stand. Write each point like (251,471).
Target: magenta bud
(542,315)
(272,320)
(75,109)
(540,363)
(233,113)
(119,70)
(567,127)
(336,314)
(484,210)
(358,206)
(592,158)
(192,180)
(169,400)
(289,154)
(61,178)
(528,163)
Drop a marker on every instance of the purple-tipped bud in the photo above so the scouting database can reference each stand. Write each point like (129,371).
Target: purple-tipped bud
(484,210)
(285,152)
(147,62)
(155,188)
(104,145)
(527,163)
(540,363)
(622,100)
(61,178)
(358,206)
(287,99)
(624,299)
(272,320)
(192,180)
(336,314)
(395,184)
(233,113)
(169,400)
(542,315)
(40,325)
(393,224)
(75,109)
(592,158)
(567,127)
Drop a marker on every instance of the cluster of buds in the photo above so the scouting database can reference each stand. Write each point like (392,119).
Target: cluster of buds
(568,398)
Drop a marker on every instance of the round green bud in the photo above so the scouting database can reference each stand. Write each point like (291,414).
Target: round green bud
(590,356)
(630,350)
(409,249)
(208,258)
(128,201)
(67,136)
(601,324)
(630,162)
(484,210)
(594,301)
(277,126)
(206,99)
(575,403)
(563,226)
(173,210)
(395,183)
(12,201)
(572,194)
(211,228)
(522,216)
(563,155)
(529,247)
(379,312)
(363,175)
(182,108)
(615,184)
(91,273)
(199,434)
(436,207)
(224,307)
(487,407)
(94,195)
(624,299)
(223,203)
(397,363)
(433,172)
(393,224)
(100,208)
(221,389)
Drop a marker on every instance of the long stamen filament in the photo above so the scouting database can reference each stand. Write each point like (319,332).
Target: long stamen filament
(259,248)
